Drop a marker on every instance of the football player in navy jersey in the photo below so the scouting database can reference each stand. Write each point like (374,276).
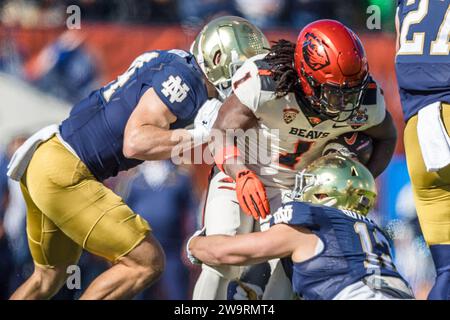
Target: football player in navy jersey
(423,73)
(310,92)
(115,128)
(328,247)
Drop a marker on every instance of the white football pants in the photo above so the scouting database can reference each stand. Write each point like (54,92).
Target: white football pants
(223,215)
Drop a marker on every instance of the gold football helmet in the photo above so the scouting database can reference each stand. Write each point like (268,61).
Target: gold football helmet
(336,181)
(222,47)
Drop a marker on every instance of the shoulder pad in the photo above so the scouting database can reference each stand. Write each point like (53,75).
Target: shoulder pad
(180,53)
(265,76)
(251,80)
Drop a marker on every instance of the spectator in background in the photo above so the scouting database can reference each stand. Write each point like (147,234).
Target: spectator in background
(263,13)
(5,255)
(196,13)
(412,256)
(129,11)
(163,194)
(299,13)
(65,68)
(32,14)
(10,247)
(11,59)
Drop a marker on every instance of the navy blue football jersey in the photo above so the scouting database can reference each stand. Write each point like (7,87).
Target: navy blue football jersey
(95,127)
(423,61)
(354,247)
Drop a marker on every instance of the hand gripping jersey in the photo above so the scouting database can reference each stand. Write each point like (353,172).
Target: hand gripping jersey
(354,248)
(423,61)
(96,125)
(302,133)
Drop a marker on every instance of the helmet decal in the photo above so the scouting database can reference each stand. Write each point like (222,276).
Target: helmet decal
(336,181)
(223,45)
(289,115)
(315,53)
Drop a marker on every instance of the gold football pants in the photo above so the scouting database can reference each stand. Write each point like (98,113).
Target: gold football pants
(431,189)
(69,210)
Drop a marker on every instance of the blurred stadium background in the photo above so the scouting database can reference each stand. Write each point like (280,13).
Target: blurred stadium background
(45,68)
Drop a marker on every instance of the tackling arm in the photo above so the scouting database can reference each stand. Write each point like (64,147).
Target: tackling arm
(277,242)
(384,137)
(147,135)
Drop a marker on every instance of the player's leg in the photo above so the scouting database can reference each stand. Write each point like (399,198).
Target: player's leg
(130,274)
(107,227)
(96,219)
(52,252)
(432,198)
(222,215)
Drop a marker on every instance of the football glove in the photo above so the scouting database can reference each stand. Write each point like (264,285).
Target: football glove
(251,194)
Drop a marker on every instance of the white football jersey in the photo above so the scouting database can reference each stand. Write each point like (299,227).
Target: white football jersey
(301,134)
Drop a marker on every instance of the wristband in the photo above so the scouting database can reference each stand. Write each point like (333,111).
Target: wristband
(224,154)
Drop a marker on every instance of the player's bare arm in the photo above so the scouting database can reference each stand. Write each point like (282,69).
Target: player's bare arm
(232,115)
(250,190)
(384,137)
(279,241)
(147,134)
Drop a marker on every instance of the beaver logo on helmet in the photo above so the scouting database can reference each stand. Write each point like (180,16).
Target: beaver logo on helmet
(315,53)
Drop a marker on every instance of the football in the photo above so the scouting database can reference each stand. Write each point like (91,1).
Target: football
(356,144)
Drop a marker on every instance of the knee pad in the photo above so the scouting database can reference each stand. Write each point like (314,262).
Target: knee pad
(441,258)
(227,272)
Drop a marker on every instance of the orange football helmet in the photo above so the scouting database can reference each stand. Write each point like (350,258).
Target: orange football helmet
(332,67)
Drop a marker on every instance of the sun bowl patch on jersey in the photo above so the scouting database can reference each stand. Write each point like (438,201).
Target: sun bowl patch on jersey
(289,115)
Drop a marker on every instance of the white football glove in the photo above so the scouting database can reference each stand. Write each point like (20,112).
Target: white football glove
(204,121)
(189,254)
(247,291)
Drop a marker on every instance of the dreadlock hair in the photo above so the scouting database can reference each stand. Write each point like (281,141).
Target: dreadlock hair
(281,61)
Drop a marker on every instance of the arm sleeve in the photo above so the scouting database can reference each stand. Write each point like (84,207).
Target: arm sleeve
(375,105)
(246,85)
(178,90)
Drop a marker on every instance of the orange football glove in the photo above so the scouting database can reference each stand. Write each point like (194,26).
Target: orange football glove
(251,194)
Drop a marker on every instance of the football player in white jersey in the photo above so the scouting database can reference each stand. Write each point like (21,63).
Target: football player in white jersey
(311,92)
